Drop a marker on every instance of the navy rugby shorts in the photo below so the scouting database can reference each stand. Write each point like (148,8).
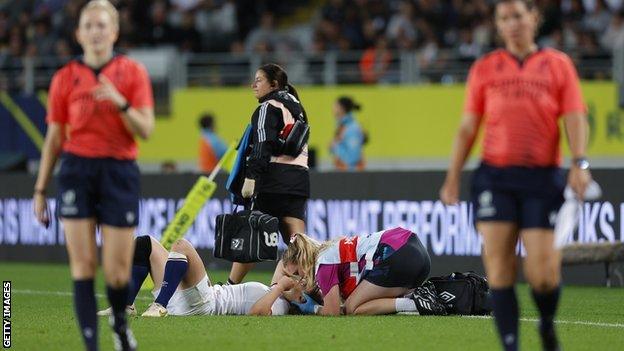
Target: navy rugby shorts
(529,197)
(103,188)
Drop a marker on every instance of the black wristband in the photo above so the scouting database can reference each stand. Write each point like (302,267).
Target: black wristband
(125,107)
(39,191)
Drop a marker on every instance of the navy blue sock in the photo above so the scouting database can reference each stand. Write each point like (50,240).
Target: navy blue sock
(547,305)
(139,273)
(175,269)
(117,297)
(505,307)
(86,308)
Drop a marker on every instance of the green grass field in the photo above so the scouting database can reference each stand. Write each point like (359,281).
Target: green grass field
(43,319)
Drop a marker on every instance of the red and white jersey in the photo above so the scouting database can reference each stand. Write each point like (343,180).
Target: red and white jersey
(351,250)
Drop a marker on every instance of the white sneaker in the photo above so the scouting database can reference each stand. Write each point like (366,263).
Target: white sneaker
(130,311)
(155,310)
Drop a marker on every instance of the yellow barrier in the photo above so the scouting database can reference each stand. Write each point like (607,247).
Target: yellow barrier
(403,121)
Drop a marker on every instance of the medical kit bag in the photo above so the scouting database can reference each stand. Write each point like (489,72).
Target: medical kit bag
(246,236)
(293,138)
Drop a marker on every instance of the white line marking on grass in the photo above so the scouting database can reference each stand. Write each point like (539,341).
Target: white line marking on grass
(64,293)
(594,324)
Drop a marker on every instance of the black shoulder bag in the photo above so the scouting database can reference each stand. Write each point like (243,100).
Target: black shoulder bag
(246,236)
(463,293)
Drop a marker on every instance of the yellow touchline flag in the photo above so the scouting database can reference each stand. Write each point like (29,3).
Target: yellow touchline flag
(202,190)
(229,158)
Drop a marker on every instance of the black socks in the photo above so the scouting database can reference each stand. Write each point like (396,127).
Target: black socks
(505,306)
(547,303)
(86,308)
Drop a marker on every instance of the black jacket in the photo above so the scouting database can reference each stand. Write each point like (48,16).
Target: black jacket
(267,122)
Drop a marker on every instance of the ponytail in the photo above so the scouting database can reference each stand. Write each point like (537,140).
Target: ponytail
(348,104)
(292,91)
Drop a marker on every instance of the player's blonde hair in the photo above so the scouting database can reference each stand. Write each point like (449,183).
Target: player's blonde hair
(103,5)
(303,251)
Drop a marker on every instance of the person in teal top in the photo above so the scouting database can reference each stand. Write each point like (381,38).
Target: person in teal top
(350,138)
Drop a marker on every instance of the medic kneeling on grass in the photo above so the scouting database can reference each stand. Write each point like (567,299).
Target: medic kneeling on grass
(364,274)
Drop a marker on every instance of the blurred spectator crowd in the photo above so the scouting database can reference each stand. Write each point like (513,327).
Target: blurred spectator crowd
(465,26)
(47,27)
(431,28)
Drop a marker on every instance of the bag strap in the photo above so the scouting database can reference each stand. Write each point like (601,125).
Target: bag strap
(253,202)
(251,206)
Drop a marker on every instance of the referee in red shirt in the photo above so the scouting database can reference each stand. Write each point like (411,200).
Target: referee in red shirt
(519,93)
(96,105)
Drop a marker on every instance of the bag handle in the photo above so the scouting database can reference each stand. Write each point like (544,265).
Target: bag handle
(253,202)
(251,207)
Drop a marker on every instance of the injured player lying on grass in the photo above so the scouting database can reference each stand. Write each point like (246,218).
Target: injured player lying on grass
(183,288)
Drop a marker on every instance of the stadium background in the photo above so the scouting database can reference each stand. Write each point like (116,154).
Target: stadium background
(201,55)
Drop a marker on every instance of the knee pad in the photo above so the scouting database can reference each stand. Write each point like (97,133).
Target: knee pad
(142,251)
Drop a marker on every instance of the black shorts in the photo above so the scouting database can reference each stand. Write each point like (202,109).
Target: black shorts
(103,188)
(530,197)
(407,267)
(282,205)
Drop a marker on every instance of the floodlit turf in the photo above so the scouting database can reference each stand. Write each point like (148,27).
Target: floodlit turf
(43,319)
